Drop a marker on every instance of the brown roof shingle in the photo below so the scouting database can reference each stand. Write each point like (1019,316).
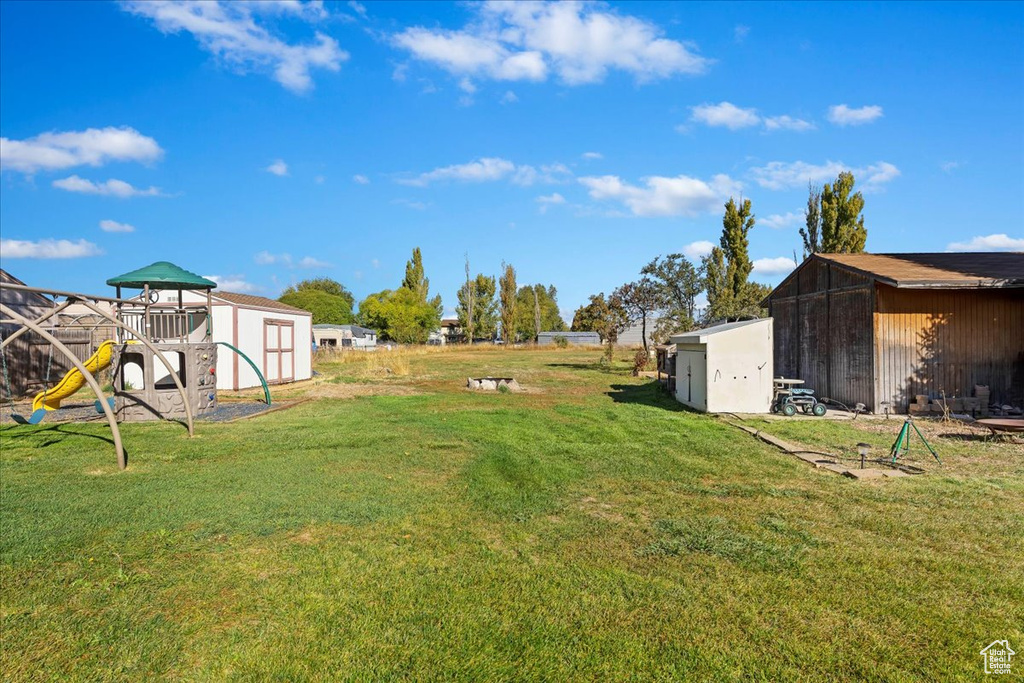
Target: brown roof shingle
(955,270)
(257,301)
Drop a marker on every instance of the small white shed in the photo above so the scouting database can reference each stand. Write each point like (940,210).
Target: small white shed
(726,368)
(277,337)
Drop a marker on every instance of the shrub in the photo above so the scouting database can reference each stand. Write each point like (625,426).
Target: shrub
(561,341)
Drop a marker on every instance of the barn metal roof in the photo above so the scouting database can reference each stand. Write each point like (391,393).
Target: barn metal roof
(161,275)
(951,270)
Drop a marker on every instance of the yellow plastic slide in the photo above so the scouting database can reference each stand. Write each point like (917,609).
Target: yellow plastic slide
(74,380)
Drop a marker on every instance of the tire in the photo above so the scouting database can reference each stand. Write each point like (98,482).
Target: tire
(820,410)
(789,410)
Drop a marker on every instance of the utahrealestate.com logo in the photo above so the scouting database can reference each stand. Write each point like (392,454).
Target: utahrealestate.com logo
(997,657)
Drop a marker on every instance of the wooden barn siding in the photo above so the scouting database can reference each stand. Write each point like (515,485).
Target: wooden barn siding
(823,332)
(934,341)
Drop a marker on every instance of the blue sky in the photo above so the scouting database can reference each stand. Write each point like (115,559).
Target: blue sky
(266,143)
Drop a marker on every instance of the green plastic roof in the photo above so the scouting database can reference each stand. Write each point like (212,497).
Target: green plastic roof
(161,275)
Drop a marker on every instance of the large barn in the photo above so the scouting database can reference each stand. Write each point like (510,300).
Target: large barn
(881,328)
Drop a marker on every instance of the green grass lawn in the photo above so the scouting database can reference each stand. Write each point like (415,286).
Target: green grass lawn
(403,528)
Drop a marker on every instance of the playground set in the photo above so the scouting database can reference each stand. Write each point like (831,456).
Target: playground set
(163,358)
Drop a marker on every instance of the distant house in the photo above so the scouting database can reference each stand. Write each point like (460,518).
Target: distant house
(574,338)
(882,328)
(450,332)
(345,336)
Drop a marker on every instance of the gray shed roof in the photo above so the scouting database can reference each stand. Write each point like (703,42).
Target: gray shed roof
(701,336)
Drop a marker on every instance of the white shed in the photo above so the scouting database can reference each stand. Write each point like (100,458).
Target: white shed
(277,337)
(726,368)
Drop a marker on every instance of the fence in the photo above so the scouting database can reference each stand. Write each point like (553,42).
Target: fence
(29,355)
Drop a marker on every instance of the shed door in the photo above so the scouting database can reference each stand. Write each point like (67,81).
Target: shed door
(692,378)
(278,351)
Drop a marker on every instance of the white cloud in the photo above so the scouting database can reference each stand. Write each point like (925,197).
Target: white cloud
(265,258)
(481,170)
(358,8)
(777,221)
(695,251)
(740,33)
(229,31)
(311,262)
(361,179)
(842,115)
(678,196)
(47,249)
(949,166)
(90,147)
(375,263)
(780,175)
(773,266)
(579,42)
(278,168)
(728,115)
(590,156)
(110,188)
(725,114)
(319,180)
(996,242)
(233,283)
(490,169)
(409,203)
(509,97)
(114,226)
(785,122)
(466,86)
(549,200)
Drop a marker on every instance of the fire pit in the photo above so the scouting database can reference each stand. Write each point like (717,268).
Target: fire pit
(492,384)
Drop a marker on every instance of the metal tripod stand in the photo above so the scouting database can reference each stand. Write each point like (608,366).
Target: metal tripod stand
(901,446)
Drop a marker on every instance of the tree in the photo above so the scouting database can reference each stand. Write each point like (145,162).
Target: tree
(399,315)
(468,305)
(327,309)
(640,300)
(415,280)
(508,303)
(728,267)
(811,232)
(842,225)
(680,283)
(607,317)
(323,284)
(484,320)
(537,311)
(406,315)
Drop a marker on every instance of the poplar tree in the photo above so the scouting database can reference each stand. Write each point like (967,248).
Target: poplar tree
(842,225)
(811,232)
(508,303)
